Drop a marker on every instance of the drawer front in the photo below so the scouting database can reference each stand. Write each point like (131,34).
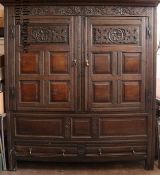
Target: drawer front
(119,150)
(103,151)
(41,151)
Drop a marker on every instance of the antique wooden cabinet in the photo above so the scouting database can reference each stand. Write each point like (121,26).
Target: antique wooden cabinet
(80,80)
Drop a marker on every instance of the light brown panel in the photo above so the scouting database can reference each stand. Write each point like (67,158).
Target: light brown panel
(59,62)
(59,91)
(29,63)
(102,63)
(122,126)
(39,127)
(102,92)
(131,91)
(29,91)
(81,127)
(131,63)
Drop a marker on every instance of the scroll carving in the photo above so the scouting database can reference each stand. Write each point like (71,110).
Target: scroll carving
(89,10)
(116,35)
(48,34)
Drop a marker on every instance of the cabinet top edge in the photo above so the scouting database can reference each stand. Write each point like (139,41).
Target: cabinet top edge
(81,2)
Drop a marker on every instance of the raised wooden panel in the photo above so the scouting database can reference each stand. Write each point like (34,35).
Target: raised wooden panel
(102,92)
(131,63)
(102,63)
(29,91)
(29,63)
(81,127)
(122,126)
(59,91)
(38,127)
(59,62)
(131,91)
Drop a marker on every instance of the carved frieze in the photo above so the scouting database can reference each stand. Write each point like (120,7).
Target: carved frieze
(116,35)
(89,10)
(48,34)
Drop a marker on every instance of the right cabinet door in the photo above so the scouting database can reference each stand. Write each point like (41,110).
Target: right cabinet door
(115,63)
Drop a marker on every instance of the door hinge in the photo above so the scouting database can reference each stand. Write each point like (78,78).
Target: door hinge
(12,31)
(148,32)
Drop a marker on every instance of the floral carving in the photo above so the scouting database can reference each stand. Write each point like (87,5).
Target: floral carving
(89,10)
(115,35)
(48,34)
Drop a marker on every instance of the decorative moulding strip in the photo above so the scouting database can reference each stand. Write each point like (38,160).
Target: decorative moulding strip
(83,10)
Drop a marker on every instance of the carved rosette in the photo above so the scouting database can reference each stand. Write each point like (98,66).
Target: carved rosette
(48,34)
(116,35)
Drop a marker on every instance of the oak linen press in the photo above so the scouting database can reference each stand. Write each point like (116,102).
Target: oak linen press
(80,80)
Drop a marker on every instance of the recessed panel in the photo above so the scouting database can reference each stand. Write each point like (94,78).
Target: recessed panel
(29,63)
(102,92)
(59,91)
(131,63)
(59,62)
(131,91)
(102,63)
(122,126)
(81,127)
(30,91)
(39,127)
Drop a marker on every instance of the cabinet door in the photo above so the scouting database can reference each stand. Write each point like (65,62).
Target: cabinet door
(115,63)
(45,64)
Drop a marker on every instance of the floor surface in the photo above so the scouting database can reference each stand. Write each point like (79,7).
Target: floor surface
(124,168)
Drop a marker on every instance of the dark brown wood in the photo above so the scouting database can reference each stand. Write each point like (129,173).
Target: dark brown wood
(106,2)
(79,81)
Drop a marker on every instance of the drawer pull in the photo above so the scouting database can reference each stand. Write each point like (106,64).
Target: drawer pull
(63,152)
(133,151)
(30,151)
(99,151)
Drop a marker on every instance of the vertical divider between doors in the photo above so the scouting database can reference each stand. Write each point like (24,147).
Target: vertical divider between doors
(78,57)
(86,57)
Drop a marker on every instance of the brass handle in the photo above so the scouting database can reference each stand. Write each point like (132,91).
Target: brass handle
(74,62)
(30,151)
(87,63)
(63,152)
(100,151)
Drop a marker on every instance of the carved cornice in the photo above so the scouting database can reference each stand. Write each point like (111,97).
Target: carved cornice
(82,2)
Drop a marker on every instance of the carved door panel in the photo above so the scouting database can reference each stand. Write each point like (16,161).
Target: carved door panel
(115,75)
(46,64)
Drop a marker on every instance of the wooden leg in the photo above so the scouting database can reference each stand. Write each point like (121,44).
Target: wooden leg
(158,138)
(149,165)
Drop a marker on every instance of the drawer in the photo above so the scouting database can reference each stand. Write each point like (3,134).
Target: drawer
(41,151)
(81,150)
(108,151)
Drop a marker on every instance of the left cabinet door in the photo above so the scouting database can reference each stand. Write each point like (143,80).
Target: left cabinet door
(45,65)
